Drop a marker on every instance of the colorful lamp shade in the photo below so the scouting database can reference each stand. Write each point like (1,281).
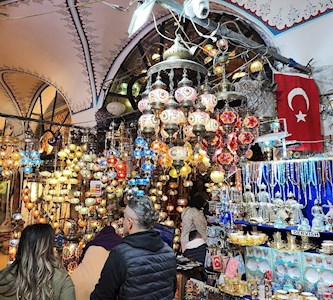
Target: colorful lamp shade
(178,153)
(198,117)
(209,101)
(185,94)
(198,120)
(251,122)
(228,117)
(143,104)
(212,125)
(148,123)
(158,96)
(171,116)
(217,176)
(246,138)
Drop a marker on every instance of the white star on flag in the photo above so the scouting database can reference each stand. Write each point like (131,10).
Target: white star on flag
(300,117)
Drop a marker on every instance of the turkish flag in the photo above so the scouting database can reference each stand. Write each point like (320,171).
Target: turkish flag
(298,102)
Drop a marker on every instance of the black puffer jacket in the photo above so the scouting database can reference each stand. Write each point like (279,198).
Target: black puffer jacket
(142,267)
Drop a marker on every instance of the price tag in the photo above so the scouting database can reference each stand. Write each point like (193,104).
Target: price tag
(305,233)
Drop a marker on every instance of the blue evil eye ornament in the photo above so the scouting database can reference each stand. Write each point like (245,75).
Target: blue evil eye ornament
(148,153)
(34,154)
(145,145)
(132,182)
(24,160)
(140,193)
(139,141)
(37,162)
(138,153)
(146,167)
(23,153)
(27,169)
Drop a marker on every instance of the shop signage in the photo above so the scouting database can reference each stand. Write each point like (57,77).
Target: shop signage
(95,188)
(305,233)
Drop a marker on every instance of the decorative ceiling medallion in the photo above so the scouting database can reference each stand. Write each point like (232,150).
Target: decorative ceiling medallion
(279,18)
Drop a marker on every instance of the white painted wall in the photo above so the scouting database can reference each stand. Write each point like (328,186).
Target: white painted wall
(313,39)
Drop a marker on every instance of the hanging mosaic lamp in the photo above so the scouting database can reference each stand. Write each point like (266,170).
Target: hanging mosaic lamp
(158,96)
(171,117)
(208,100)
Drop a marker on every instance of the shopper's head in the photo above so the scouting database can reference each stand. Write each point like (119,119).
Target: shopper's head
(139,215)
(36,243)
(35,262)
(34,265)
(197,201)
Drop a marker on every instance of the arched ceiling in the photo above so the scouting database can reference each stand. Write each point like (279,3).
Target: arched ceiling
(70,47)
(76,45)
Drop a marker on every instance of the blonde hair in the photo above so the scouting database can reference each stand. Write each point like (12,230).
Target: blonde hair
(34,265)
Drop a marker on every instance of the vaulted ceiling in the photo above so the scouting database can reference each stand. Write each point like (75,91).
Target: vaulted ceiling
(63,43)
(79,47)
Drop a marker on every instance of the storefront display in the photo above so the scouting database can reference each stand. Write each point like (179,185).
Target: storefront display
(269,223)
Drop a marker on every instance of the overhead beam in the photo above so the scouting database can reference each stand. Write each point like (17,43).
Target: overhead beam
(39,121)
(223,30)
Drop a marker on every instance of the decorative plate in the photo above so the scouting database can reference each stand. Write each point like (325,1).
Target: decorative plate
(264,266)
(252,264)
(327,276)
(280,270)
(293,272)
(311,275)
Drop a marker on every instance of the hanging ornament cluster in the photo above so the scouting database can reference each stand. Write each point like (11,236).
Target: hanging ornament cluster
(104,185)
(157,194)
(173,113)
(26,198)
(30,158)
(235,133)
(105,181)
(233,138)
(218,54)
(49,193)
(9,157)
(144,165)
(185,117)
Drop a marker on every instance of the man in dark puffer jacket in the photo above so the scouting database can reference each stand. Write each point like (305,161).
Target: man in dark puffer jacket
(142,267)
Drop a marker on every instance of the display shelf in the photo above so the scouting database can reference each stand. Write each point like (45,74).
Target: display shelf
(287,228)
(290,269)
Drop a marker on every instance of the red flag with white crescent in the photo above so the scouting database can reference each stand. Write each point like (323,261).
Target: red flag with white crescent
(298,102)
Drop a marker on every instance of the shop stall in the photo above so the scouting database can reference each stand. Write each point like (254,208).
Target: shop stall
(269,208)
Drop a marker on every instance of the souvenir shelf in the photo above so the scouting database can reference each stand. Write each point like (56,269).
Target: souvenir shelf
(298,190)
(291,270)
(292,198)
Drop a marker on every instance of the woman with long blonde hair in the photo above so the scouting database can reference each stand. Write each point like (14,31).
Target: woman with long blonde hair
(36,273)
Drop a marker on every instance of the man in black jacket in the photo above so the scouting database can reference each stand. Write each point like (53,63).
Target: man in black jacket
(142,267)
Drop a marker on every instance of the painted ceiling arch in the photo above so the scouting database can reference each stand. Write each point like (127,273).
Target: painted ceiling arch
(23,87)
(70,47)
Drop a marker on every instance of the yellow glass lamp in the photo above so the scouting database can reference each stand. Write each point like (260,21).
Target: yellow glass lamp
(217,176)
(173,173)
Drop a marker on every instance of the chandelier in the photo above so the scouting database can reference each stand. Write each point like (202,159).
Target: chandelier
(179,109)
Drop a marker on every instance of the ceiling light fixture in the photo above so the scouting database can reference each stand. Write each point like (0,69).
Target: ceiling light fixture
(140,16)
